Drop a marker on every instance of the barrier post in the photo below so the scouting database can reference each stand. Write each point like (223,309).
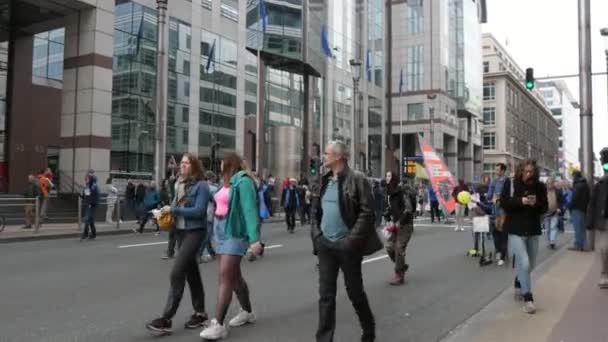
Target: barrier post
(37,213)
(79,214)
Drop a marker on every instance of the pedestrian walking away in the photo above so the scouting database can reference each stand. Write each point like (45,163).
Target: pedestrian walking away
(434,204)
(578,209)
(344,234)
(90,200)
(555,204)
(290,200)
(236,229)
(140,194)
(460,207)
(189,208)
(151,201)
(524,201)
(499,235)
(32,192)
(400,206)
(597,218)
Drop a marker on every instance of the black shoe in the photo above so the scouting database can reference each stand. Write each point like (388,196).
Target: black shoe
(552,246)
(160,325)
(196,321)
(27,227)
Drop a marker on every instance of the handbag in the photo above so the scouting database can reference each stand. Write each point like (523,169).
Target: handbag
(166,221)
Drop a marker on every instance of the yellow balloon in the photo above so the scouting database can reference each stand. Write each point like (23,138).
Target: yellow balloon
(464,197)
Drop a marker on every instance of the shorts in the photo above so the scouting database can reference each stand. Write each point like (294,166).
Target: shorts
(226,245)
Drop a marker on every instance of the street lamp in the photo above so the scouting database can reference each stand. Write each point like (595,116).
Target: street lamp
(355,66)
(161,89)
(604,33)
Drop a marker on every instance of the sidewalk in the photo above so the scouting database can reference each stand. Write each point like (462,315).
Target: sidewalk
(50,231)
(571,308)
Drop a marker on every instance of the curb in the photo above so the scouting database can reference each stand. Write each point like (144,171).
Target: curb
(74,235)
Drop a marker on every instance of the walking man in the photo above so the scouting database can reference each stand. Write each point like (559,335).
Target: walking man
(578,209)
(344,234)
(31,192)
(90,199)
(291,202)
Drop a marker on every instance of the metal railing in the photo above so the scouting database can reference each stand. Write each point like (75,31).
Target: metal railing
(24,202)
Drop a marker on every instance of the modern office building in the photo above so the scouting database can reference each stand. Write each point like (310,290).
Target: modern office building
(79,85)
(437,80)
(565,110)
(516,122)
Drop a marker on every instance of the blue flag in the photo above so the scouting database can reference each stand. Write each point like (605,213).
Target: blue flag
(140,34)
(325,43)
(401,84)
(211,57)
(368,65)
(263,15)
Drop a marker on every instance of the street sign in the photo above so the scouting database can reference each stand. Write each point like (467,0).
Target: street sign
(409,164)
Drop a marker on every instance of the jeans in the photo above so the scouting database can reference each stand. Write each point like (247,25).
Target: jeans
(550,224)
(110,209)
(578,221)
(44,204)
(601,237)
(334,256)
(185,269)
(460,213)
(524,249)
(435,211)
(89,222)
(396,246)
(290,218)
(172,242)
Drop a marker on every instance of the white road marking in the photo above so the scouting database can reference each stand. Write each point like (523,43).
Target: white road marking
(375,259)
(144,244)
(273,246)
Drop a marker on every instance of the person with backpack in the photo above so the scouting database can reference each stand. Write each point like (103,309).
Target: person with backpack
(400,204)
(524,201)
(290,200)
(236,229)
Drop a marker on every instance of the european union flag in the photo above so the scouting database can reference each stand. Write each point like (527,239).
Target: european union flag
(263,15)
(325,42)
(211,57)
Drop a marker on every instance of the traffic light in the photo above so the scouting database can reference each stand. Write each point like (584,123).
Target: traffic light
(314,166)
(604,158)
(530,78)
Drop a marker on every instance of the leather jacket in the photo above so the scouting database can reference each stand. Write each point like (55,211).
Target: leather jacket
(356,203)
(400,205)
(597,212)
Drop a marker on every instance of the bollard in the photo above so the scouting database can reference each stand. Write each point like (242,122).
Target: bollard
(79,214)
(37,213)
(117,209)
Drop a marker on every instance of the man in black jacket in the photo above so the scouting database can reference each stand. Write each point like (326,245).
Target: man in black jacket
(578,209)
(344,232)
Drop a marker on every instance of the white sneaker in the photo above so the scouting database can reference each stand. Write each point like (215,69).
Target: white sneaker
(214,331)
(501,262)
(529,308)
(242,318)
(456,229)
(498,256)
(462,229)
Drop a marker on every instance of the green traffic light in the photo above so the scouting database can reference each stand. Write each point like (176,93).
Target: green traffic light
(529,85)
(313,171)
(605,166)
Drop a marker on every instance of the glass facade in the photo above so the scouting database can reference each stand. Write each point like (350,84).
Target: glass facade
(134,86)
(48,54)
(374,138)
(414,77)
(178,87)
(5,15)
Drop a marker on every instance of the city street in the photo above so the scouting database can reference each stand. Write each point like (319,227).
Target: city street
(106,290)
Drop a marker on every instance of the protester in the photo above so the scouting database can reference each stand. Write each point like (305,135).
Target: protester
(207,251)
(31,193)
(434,203)
(498,216)
(400,206)
(598,218)
(151,201)
(344,234)
(236,229)
(45,190)
(268,192)
(578,208)
(189,208)
(290,200)
(111,200)
(555,204)
(90,199)
(460,207)
(524,202)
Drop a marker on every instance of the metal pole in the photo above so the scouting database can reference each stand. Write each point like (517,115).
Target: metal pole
(355,124)
(161,87)
(586,116)
(400,163)
(117,208)
(79,213)
(37,219)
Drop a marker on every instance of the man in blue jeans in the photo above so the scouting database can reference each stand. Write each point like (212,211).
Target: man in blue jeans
(578,209)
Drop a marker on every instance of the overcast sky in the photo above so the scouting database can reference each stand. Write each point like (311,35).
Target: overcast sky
(543,34)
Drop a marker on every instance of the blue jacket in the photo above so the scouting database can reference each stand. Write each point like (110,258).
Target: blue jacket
(194,209)
(90,193)
(496,188)
(152,199)
(287,201)
(432,195)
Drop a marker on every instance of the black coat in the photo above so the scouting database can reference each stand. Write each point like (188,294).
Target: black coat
(580,195)
(521,219)
(400,205)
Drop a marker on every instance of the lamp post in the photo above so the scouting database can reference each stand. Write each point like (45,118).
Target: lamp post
(355,66)
(513,155)
(604,33)
(161,91)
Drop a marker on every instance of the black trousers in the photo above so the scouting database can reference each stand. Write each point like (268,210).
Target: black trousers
(290,218)
(435,211)
(144,219)
(172,242)
(185,269)
(500,242)
(334,256)
(304,213)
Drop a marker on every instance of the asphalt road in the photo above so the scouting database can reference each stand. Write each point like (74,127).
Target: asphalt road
(64,291)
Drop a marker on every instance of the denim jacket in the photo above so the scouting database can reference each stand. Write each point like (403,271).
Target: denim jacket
(194,210)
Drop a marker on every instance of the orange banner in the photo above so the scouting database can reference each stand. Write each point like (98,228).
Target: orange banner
(441,178)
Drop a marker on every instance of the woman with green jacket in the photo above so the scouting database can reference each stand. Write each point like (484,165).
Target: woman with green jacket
(236,230)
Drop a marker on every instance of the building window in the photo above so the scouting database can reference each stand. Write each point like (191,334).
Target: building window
(230,9)
(489,141)
(415,68)
(207,3)
(48,54)
(415,16)
(486,67)
(185,136)
(489,116)
(489,91)
(489,169)
(415,111)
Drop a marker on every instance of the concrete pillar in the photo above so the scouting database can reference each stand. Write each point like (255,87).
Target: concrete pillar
(86,137)
(466,162)
(450,154)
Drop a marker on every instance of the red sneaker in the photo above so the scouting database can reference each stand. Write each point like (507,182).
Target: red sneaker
(398,279)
